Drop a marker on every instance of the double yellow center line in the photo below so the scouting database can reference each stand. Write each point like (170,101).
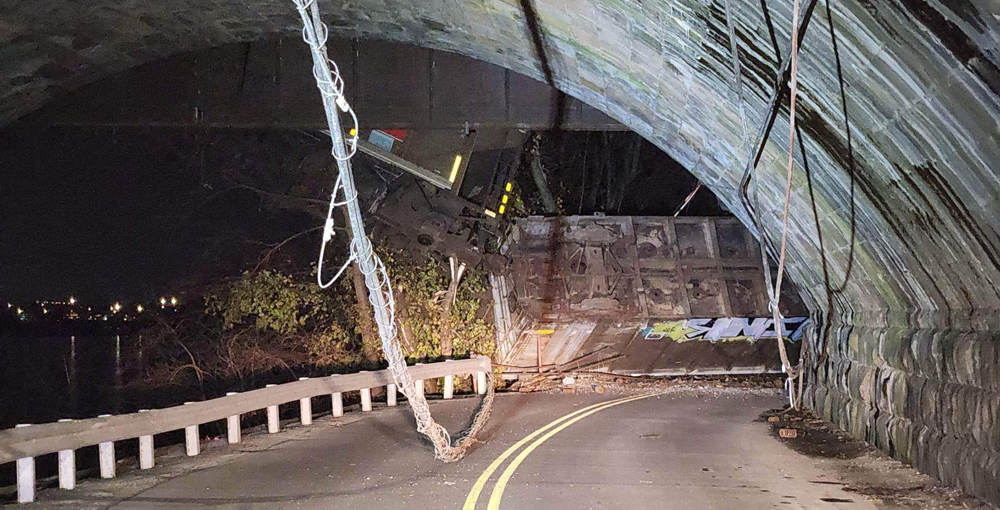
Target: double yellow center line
(545,432)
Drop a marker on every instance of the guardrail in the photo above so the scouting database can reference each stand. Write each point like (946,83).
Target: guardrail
(25,442)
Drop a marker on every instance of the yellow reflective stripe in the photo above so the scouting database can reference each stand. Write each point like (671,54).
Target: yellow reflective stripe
(501,484)
(477,489)
(454,168)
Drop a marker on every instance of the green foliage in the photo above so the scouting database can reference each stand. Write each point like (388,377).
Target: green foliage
(332,346)
(519,209)
(267,321)
(268,300)
(419,285)
(474,334)
(319,322)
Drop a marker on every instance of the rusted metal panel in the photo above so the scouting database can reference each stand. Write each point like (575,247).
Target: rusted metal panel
(662,295)
(637,268)
(579,266)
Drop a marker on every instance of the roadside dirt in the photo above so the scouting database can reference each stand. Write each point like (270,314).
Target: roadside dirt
(596,382)
(864,472)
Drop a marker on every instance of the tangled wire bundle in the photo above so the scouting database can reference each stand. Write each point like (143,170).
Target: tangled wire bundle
(331,87)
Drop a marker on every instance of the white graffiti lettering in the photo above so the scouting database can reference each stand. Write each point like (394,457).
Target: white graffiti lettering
(727,329)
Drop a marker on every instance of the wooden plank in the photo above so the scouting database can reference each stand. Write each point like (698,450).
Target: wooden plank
(47,438)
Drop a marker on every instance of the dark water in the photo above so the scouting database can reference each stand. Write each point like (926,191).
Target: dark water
(45,378)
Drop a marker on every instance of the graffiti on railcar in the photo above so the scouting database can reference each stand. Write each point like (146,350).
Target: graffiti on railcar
(725,329)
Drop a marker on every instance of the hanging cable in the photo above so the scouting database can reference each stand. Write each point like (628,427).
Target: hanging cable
(774,105)
(380,294)
(328,233)
(795,372)
(787,72)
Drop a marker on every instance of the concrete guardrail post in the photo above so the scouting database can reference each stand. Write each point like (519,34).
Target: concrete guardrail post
(449,383)
(67,466)
(337,402)
(449,386)
(146,460)
(366,396)
(366,399)
(418,384)
(192,442)
(233,434)
(106,455)
(25,475)
(305,408)
(273,422)
(390,395)
(481,383)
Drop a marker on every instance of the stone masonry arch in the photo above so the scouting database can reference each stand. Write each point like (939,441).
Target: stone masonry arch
(895,224)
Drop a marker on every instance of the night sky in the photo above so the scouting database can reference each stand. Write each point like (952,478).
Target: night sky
(79,219)
(92,213)
(132,214)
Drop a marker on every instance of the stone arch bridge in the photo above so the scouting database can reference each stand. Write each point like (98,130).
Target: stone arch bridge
(894,233)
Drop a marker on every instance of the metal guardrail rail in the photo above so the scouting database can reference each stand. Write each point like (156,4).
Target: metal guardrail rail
(25,442)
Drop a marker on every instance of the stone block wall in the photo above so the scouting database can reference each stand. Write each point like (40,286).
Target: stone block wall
(894,231)
(927,391)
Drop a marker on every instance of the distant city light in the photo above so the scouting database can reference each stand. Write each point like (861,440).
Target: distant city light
(72,300)
(117,307)
(163,302)
(20,311)
(138,308)
(9,305)
(45,311)
(173,301)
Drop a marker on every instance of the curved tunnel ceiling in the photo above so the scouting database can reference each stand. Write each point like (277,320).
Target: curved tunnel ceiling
(899,210)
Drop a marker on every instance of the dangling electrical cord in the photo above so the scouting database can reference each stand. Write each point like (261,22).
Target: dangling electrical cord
(738,78)
(380,293)
(795,372)
(788,71)
(774,105)
(328,233)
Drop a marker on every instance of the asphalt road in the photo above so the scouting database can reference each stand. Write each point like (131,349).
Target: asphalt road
(679,450)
